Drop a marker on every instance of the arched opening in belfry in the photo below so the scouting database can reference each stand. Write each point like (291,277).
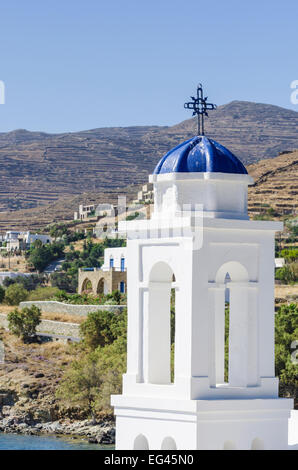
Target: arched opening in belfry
(168,444)
(100,286)
(161,325)
(87,286)
(140,443)
(257,444)
(230,324)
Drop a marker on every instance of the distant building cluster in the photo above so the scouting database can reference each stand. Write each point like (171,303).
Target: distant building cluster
(145,195)
(84,212)
(15,240)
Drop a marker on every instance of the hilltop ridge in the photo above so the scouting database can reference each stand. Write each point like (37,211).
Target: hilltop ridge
(37,168)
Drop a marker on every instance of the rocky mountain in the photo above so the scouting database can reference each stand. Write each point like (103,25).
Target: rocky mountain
(37,168)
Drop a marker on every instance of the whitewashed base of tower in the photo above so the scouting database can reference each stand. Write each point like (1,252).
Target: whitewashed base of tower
(202,424)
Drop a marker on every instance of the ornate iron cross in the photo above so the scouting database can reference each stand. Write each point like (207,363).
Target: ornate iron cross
(200,106)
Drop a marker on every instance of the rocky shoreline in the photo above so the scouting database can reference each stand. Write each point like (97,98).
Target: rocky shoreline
(99,433)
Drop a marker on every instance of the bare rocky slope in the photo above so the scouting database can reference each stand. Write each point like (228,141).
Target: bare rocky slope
(37,168)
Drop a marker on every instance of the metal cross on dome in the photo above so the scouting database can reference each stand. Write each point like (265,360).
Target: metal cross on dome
(200,106)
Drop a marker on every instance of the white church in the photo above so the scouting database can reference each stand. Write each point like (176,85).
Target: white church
(197,251)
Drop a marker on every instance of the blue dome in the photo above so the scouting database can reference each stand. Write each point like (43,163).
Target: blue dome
(200,154)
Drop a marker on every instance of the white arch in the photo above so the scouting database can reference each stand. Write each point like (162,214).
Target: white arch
(161,272)
(236,270)
(140,443)
(168,444)
(257,444)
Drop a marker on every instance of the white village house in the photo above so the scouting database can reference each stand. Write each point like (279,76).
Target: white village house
(16,240)
(201,246)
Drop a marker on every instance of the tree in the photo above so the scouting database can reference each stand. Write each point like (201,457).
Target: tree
(58,230)
(23,323)
(64,281)
(286,334)
(2,294)
(15,294)
(102,328)
(90,381)
(81,384)
(28,282)
(41,256)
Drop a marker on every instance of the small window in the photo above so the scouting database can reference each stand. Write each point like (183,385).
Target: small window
(111,262)
(122,264)
(122,287)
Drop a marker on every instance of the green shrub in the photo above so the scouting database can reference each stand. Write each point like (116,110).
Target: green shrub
(115,296)
(28,282)
(2,294)
(288,273)
(65,281)
(23,322)
(102,328)
(133,216)
(89,382)
(290,254)
(41,255)
(15,294)
(286,333)
(43,293)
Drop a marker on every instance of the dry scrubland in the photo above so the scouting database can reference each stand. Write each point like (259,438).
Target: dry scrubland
(14,263)
(32,372)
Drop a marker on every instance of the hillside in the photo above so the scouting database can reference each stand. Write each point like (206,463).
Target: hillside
(275,185)
(37,168)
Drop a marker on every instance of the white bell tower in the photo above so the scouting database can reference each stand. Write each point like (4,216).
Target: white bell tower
(200,252)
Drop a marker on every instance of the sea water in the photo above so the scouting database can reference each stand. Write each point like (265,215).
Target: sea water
(23,442)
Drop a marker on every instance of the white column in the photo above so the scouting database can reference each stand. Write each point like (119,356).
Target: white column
(216,335)
(253,337)
(136,303)
(238,337)
(157,330)
(219,334)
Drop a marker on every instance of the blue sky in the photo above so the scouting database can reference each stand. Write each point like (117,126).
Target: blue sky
(70,65)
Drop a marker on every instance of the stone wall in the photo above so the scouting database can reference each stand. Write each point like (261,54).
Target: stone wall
(50,327)
(51,306)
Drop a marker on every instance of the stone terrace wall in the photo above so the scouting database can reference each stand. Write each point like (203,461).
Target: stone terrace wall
(50,327)
(49,306)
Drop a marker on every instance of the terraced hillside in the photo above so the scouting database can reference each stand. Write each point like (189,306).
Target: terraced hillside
(38,168)
(60,210)
(275,186)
